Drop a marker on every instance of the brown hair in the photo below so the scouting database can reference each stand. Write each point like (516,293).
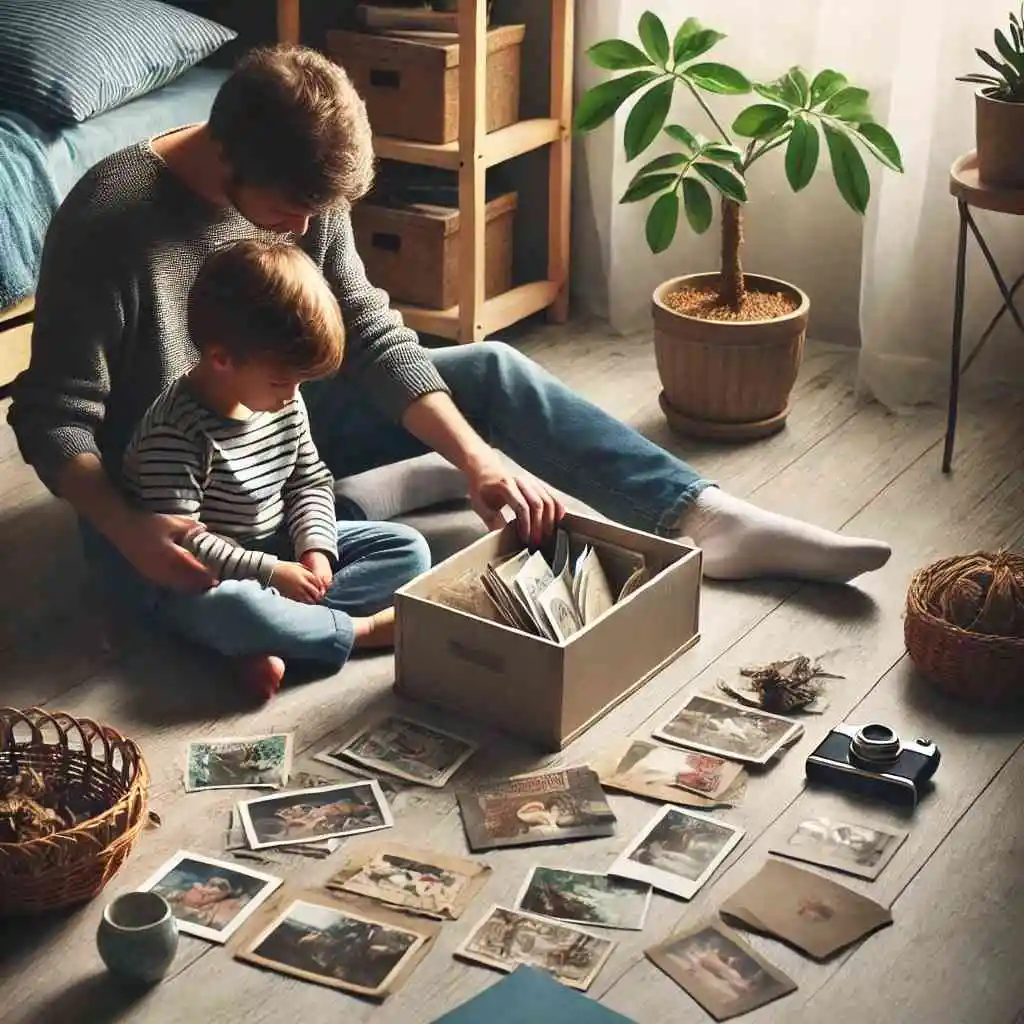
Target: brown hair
(267,300)
(290,120)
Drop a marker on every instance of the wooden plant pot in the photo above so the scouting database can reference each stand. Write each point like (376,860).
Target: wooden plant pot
(727,379)
(999,131)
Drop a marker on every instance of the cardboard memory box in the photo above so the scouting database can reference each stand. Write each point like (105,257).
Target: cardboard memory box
(536,689)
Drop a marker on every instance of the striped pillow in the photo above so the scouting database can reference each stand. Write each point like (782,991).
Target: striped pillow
(64,61)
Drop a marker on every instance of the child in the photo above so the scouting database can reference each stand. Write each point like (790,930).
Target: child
(229,445)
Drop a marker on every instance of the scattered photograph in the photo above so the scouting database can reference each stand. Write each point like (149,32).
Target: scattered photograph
(677,851)
(544,808)
(507,938)
(343,947)
(860,850)
(236,839)
(209,898)
(583,897)
(239,762)
(721,971)
(309,815)
(413,880)
(729,730)
(405,748)
(655,771)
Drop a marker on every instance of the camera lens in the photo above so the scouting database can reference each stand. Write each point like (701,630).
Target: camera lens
(876,744)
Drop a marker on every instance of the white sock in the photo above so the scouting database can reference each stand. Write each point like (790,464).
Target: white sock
(742,541)
(390,491)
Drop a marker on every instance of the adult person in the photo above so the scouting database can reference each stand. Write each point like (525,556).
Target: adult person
(286,150)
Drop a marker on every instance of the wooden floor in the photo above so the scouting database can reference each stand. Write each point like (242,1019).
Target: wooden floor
(953,954)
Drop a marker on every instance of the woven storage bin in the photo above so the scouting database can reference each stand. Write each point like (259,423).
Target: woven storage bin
(411,85)
(71,866)
(979,667)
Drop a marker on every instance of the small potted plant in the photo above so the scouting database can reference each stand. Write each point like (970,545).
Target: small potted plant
(999,108)
(728,344)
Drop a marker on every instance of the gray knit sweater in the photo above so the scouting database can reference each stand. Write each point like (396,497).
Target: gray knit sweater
(110,329)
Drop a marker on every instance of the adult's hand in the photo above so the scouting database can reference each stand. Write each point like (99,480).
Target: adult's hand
(151,543)
(492,488)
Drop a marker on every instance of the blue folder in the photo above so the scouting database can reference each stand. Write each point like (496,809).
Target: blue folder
(530,996)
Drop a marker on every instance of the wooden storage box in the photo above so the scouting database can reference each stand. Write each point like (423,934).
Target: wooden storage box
(412,251)
(411,86)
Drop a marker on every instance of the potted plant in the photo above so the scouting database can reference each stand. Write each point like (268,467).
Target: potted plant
(999,108)
(728,344)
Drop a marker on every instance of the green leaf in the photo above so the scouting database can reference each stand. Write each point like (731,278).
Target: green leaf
(660,163)
(797,78)
(848,169)
(692,40)
(825,85)
(718,78)
(882,145)
(981,79)
(1009,52)
(801,154)
(654,37)
(848,104)
(760,120)
(662,221)
(616,54)
(600,103)
(697,204)
(646,118)
(725,179)
(991,61)
(642,187)
(724,153)
(770,91)
(681,135)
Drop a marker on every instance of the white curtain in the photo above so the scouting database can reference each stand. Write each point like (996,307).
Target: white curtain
(885,281)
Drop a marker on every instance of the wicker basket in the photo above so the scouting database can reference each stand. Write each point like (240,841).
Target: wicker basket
(978,667)
(70,866)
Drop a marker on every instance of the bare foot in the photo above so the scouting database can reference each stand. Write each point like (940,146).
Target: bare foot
(261,675)
(375,631)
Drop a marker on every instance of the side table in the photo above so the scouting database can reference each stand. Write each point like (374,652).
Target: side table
(969,190)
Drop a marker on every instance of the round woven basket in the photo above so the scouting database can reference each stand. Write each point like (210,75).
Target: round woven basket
(979,667)
(70,866)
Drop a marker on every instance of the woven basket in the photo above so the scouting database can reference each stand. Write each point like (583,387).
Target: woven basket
(73,865)
(978,667)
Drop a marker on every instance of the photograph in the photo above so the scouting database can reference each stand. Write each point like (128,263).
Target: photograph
(729,730)
(238,762)
(405,748)
(557,604)
(344,947)
(308,815)
(720,971)
(860,850)
(416,881)
(583,897)
(507,938)
(209,898)
(654,771)
(677,851)
(544,808)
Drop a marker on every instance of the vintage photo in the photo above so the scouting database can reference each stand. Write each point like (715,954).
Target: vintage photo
(413,880)
(677,851)
(729,730)
(544,808)
(860,850)
(342,947)
(209,898)
(405,748)
(309,815)
(507,938)
(239,762)
(582,897)
(721,971)
(557,604)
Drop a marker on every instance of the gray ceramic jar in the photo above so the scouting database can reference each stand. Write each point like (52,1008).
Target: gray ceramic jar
(138,936)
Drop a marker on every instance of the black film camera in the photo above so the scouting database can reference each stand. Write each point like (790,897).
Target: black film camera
(871,760)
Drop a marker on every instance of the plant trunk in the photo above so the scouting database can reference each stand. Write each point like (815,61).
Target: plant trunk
(731,289)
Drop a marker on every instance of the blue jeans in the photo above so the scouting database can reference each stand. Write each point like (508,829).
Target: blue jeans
(241,617)
(532,417)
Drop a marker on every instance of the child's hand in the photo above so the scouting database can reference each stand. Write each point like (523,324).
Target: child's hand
(320,566)
(297,582)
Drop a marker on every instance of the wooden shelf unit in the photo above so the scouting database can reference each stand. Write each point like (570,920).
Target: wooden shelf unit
(475,151)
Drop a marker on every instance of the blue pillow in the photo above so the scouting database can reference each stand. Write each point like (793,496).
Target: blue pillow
(64,61)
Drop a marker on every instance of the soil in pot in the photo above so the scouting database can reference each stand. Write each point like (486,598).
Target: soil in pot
(705,304)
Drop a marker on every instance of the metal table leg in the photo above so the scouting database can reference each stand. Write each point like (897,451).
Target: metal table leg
(958,327)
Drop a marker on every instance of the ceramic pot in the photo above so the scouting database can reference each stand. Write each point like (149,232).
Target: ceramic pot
(138,937)
(999,128)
